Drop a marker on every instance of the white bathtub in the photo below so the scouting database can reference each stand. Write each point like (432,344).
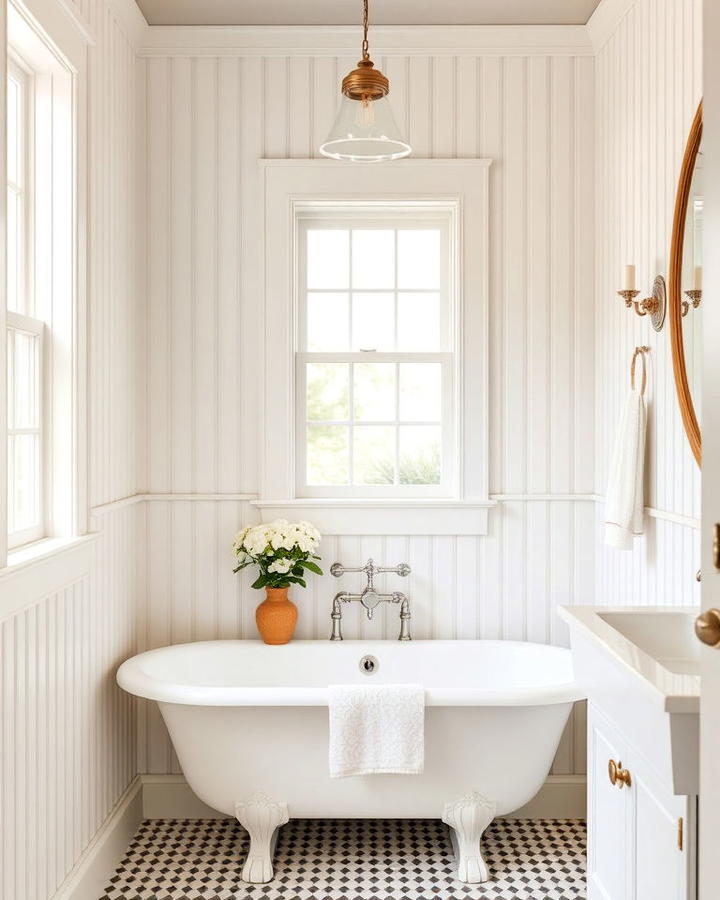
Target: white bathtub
(245,717)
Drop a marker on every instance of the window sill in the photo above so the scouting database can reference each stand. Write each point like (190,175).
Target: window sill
(386,517)
(41,568)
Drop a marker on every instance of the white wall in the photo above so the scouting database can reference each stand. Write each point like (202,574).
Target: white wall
(68,734)
(210,116)
(648,84)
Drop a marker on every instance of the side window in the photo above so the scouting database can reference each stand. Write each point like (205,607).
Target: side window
(25,438)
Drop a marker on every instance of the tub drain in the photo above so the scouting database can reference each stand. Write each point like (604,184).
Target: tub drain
(369,665)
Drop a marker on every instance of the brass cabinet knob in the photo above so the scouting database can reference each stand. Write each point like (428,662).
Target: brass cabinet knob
(612,771)
(618,776)
(707,627)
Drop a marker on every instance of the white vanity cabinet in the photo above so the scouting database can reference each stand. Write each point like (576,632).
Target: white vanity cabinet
(641,836)
(638,667)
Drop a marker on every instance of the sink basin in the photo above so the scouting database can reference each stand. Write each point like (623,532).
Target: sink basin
(641,666)
(654,646)
(665,636)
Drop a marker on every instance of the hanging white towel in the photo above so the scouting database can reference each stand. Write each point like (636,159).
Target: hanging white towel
(624,504)
(376,729)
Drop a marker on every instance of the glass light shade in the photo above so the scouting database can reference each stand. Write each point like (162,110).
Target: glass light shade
(365,131)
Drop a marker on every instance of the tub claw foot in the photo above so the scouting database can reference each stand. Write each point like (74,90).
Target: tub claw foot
(261,817)
(468,817)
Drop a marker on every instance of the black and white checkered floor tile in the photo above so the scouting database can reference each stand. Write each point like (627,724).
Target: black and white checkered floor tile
(350,859)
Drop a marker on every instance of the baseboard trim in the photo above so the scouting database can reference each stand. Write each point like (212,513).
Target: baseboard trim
(170,797)
(561,797)
(98,861)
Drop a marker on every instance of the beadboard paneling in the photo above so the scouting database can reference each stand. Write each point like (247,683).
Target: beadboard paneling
(648,83)
(68,747)
(209,120)
(115,303)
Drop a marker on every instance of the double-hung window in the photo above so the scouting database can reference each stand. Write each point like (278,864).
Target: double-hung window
(376,351)
(44,315)
(374,391)
(25,463)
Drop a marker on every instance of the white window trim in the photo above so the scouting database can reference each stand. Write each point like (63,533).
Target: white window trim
(289,184)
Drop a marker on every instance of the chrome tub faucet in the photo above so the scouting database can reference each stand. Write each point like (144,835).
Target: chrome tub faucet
(370,598)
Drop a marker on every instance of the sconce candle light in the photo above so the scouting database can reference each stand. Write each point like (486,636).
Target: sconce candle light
(653,306)
(695,295)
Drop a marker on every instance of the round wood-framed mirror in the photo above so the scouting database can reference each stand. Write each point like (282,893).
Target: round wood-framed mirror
(685,285)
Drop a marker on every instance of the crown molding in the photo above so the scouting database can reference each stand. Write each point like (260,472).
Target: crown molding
(79,22)
(333,41)
(131,21)
(342,40)
(605,20)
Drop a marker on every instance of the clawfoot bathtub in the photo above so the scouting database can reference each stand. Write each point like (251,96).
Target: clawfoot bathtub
(249,723)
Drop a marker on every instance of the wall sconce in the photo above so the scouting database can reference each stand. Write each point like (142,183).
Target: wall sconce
(695,295)
(653,306)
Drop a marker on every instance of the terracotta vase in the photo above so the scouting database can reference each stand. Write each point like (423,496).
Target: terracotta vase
(276,616)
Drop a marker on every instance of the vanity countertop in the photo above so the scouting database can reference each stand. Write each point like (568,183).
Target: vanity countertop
(655,645)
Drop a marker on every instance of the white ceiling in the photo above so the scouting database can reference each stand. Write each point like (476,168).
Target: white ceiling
(382,12)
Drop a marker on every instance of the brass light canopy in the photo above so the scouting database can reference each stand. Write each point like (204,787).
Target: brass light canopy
(365,129)
(365,83)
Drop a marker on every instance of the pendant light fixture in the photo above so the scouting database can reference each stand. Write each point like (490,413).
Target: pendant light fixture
(365,128)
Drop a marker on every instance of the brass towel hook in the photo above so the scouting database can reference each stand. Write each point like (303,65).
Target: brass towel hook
(639,351)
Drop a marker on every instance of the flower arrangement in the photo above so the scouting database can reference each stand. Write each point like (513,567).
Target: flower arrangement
(282,551)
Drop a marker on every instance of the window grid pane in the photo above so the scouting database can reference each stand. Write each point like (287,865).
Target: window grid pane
(24,442)
(383,423)
(14,113)
(352,287)
(15,250)
(16,244)
(374,288)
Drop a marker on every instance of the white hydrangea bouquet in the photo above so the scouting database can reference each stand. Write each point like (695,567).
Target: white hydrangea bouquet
(283,551)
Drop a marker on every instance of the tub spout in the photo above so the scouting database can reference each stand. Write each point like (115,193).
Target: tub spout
(336,616)
(405,617)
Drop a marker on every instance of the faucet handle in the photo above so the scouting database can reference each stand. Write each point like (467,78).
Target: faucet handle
(402,569)
(370,569)
(337,569)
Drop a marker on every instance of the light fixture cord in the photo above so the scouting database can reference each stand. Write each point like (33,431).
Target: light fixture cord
(365,45)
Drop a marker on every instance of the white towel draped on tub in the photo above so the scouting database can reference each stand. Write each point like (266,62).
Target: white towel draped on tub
(624,505)
(376,729)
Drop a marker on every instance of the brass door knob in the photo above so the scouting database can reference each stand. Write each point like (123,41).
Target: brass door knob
(618,776)
(707,627)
